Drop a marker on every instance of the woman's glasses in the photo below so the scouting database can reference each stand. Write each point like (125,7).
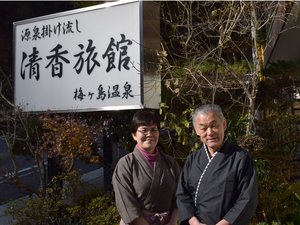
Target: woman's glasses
(146,131)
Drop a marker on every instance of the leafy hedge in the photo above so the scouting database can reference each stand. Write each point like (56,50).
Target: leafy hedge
(65,205)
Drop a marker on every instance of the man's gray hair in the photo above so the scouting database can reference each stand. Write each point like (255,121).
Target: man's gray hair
(208,108)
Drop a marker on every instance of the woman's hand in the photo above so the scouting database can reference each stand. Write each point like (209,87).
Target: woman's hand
(140,221)
(173,218)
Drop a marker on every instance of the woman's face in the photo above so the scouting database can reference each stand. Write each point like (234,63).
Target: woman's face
(147,137)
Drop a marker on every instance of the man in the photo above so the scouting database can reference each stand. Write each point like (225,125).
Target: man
(218,184)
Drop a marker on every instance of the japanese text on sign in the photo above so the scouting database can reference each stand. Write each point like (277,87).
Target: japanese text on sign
(75,60)
(116,51)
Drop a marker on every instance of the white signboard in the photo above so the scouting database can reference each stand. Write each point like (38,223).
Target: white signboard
(80,60)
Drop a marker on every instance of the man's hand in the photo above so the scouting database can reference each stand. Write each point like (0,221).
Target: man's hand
(194,221)
(223,222)
(174,218)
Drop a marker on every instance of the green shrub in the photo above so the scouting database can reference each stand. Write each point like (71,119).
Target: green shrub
(64,205)
(279,190)
(99,211)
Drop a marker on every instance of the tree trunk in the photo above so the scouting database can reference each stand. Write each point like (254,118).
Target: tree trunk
(42,171)
(255,73)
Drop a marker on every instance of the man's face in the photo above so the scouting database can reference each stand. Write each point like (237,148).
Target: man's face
(211,129)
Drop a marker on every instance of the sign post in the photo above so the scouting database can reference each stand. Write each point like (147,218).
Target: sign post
(97,58)
(90,59)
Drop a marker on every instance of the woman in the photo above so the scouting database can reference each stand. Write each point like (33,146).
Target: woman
(145,180)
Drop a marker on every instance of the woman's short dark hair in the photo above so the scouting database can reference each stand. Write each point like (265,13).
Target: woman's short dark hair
(144,117)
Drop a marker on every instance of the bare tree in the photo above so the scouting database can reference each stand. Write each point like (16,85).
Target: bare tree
(41,136)
(212,49)
(19,133)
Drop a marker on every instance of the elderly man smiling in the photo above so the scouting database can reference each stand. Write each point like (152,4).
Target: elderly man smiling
(218,184)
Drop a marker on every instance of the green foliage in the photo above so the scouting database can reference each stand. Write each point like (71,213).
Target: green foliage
(281,128)
(46,209)
(273,148)
(236,126)
(99,211)
(278,189)
(180,123)
(238,67)
(194,82)
(181,139)
(275,164)
(63,204)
